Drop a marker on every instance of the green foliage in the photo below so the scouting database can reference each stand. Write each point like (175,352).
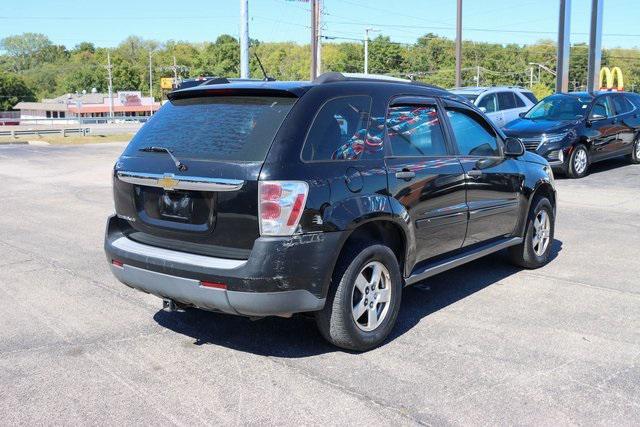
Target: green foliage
(13,90)
(540,90)
(50,70)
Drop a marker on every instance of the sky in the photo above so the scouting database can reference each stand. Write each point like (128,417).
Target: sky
(107,23)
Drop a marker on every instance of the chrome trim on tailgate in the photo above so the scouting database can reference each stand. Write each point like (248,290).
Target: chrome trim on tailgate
(125,244)
(169,181)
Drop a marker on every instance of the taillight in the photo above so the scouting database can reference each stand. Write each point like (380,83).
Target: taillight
(280,206)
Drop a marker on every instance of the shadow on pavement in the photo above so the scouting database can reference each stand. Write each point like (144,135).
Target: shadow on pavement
(298,336)
(603,166)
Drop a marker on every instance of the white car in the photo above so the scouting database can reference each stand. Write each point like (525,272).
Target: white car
(502,104)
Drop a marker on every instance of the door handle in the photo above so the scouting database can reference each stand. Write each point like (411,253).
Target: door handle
(474,173)
(407,175)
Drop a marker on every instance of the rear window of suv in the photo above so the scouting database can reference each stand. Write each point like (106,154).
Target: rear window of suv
(234,128)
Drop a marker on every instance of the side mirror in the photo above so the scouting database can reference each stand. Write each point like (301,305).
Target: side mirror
(596,117)
(513,147)
(483,109)
(522,114)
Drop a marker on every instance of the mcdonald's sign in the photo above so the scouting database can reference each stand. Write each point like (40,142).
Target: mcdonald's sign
(610,75)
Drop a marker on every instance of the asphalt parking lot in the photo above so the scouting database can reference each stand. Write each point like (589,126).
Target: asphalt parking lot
(484,344)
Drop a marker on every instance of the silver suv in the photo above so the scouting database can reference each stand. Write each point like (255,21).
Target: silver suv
(502,104)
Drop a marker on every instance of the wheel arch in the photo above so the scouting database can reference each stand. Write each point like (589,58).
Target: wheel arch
(384,229)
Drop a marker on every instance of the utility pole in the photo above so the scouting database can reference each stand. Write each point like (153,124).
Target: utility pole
(150,85)
(175,70)
(319,37)
(314,39)
(564,32)
(109,67)
(477,75)
(366,49)
(595,45)
(244,39)
(459,45)
(531,77)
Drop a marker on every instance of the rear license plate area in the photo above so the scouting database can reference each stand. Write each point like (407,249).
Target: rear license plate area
(175,205)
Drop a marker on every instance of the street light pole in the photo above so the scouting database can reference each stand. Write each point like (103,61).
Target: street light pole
(459,45)
(244,39)
(150,85)
(314,39)
(366,49)
(109,67)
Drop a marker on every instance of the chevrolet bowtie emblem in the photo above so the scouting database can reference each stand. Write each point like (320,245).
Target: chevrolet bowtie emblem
(168,182)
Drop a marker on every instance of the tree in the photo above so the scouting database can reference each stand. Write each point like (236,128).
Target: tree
(85,77)
(13,90)
(385,56)
(24,48)
(221,58)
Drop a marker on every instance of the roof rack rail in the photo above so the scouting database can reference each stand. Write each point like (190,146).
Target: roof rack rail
(338,77)
(215,81)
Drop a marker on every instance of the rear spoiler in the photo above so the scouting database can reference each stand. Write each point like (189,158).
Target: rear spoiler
(200,92)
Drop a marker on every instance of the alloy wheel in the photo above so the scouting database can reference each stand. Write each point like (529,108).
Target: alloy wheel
(542,236)
(580,161)
(371,296)
(638,149)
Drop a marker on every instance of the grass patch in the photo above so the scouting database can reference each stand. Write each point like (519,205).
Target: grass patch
(71,139)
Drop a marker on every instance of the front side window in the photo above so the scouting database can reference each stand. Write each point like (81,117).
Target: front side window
(474,136)
(340,131)
(519,102)
(415,130)
(506,101)
(489,103)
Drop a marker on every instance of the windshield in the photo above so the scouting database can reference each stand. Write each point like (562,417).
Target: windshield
(235,128)
(560,107)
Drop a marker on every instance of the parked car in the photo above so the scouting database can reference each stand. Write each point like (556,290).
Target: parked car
(574,130)
(502,104)
(330,196)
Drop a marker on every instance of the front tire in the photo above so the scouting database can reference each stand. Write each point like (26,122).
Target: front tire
(535,250)
(634,157)
(364,298)
(578,166)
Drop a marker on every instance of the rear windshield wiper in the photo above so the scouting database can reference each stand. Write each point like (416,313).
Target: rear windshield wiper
(181,166)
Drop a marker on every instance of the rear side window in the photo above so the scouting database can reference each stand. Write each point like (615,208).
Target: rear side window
(415,130)
(489,103)
(506,100)
(474,136)
(234,128)
(530,96)
(340,131)
(621,104)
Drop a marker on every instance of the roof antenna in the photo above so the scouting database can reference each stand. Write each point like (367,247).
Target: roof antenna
(264,73)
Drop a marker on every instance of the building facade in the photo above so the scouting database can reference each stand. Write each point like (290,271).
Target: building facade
(73,108)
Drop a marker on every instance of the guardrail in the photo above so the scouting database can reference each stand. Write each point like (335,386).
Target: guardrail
(68,120)
(63,131)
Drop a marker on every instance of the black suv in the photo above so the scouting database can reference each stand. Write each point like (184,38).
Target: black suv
(573,130)
(276,198)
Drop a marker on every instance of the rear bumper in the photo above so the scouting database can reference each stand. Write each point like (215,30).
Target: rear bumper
(189,291)
(283,275)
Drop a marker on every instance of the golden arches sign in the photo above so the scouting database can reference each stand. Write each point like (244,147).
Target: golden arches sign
(610,76)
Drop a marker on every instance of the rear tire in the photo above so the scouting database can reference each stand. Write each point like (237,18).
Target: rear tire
(634,157)
(361,310)
(578,166)
(535,250)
